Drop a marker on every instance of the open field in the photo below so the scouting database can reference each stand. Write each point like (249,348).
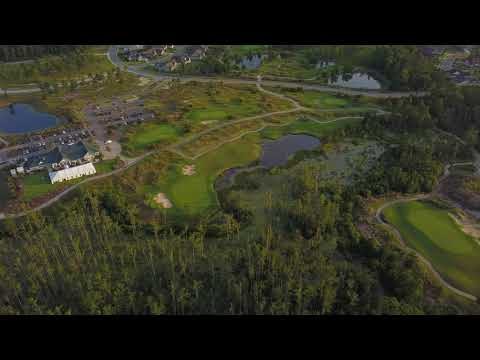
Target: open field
(198,102)
(325,101)
(433,233)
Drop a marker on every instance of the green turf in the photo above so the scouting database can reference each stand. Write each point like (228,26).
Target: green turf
(433,233)
(307,127)
(149,134)
(37,184)
(193,195)
(223,112)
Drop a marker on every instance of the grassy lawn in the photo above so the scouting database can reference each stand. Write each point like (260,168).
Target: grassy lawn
(38,184)
(434,234)
(147,134)
(198,102)
(105,166)
(193,195)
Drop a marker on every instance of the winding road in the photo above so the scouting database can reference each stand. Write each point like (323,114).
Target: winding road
(113,57)
(130,163)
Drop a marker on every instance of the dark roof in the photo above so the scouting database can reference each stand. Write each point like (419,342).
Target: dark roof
(73,152)
(62,152)
(51,157)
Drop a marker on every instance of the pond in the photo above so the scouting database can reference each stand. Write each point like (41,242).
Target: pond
(277,152)
(357,81)
(23,118)
(251,62)
(274,153)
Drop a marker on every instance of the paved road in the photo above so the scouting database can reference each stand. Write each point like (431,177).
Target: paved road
(20,91)
(378,216)
(113,57)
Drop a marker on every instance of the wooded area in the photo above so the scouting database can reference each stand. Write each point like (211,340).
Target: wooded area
(10,53)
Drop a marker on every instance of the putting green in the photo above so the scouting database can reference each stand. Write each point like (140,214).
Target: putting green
(433,233)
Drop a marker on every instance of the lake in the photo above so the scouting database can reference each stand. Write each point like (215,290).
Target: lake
(357,81)
(23,118)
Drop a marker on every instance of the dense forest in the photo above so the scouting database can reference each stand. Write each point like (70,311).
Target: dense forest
(10,53)
(97,255)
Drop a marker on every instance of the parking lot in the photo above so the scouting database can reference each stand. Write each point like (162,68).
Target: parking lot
(117,112)
(98,116)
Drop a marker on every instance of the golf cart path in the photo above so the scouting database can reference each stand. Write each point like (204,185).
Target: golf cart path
(378,216)
(297,107)
(129,163)
(173,148)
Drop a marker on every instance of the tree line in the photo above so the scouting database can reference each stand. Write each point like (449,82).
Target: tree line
(10,53)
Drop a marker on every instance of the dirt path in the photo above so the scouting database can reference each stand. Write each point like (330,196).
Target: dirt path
(379,218)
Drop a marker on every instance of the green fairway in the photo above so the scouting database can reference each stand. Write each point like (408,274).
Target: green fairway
(193,195)
(223,112)
(433,233)
(305,126)
(148,134)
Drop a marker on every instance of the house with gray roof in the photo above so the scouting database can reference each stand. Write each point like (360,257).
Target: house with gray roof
(61,156)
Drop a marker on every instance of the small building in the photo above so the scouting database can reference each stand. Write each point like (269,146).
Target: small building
(13,172)
(72,173)
(20,170)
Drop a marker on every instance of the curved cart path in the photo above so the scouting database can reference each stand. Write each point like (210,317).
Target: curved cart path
(379,218)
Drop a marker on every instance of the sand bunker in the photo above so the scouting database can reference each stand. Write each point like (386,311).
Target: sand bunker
(162,200)
(208,122)
(189,170)
(144,81)
(468,227)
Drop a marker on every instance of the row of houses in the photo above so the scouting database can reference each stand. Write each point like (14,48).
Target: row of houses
(191,53)
(145,53)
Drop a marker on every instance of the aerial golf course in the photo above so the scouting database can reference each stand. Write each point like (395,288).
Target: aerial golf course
(433,232)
